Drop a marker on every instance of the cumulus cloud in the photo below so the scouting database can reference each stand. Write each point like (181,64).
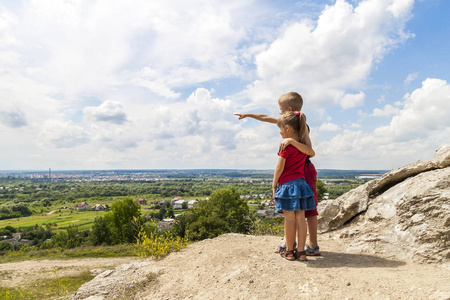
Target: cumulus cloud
(386,111)
(420,127)
(13,119)
(201,125)
(322,59)
(62,134)
(83,47)
(352,100)
(329,127)
(108,111)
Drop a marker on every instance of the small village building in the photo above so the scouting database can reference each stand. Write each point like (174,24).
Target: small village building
(82,206)
(175,199)
(141,201)
(99,207)
(260,213)
(178,204)
(270,213)
(270,202)
(193,203)
(165,224)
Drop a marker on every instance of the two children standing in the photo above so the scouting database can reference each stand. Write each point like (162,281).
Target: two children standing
(294,182)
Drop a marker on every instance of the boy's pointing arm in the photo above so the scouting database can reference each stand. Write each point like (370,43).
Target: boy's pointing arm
(259,117)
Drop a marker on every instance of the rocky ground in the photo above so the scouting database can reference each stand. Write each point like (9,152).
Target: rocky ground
(235,266)
(20,274)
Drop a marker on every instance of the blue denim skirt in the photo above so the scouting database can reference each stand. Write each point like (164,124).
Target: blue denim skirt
(294,195)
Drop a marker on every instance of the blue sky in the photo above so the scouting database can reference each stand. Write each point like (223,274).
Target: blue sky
(155,84)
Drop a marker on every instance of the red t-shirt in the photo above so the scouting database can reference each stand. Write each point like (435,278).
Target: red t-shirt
(295,164)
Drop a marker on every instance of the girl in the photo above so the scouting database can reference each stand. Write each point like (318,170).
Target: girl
(290,190)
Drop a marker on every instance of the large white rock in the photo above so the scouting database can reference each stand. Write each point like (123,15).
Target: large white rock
(406,213)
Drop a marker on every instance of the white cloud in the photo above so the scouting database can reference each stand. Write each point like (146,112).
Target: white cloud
(105,84)
(418,129)
(352,100)
(386,111)
(85,47)
(381,99)
(323,59)
(108,111)
(410,78)
(329,127)
(201,118)
(62,134)
(13,118)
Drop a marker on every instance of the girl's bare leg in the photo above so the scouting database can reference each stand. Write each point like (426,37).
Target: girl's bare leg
(301,229)
(290,228)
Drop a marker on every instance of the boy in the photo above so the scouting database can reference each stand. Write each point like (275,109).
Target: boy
(293,102)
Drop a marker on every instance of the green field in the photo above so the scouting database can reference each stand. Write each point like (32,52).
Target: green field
(61,219)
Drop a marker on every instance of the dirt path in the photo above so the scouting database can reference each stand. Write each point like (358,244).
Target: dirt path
(244,267)
(19,274)
(235,266)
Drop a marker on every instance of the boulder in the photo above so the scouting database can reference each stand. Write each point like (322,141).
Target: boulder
(111,283)
(406,213)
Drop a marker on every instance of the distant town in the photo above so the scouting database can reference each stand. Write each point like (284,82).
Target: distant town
(159,175)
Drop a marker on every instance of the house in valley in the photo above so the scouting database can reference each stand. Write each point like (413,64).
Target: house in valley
(82,206)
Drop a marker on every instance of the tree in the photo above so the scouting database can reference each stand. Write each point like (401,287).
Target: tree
(321,189)
(69,239)
(122,214)
(22,208)
(170,213)
(101,231)
(162,213)
(223,212)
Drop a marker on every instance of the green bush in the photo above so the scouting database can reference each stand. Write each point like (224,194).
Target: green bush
(6,246)
(224,212)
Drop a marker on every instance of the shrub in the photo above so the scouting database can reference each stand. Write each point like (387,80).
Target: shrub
(224,212)
(158,245)
(6,246)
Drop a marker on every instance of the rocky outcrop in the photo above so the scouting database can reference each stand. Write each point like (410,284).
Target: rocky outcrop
(114,284)
(406,213)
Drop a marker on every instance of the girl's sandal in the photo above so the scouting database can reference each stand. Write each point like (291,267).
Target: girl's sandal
(301,255)
(289,255)
(280,249)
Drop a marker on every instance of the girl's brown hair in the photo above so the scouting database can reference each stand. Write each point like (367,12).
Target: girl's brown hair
(297,121)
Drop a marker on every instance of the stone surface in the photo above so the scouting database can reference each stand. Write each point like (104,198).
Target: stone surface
(236,266)
(406,213)
(114,281)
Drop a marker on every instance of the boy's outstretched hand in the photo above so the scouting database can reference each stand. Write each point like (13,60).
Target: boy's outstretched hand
(241,116)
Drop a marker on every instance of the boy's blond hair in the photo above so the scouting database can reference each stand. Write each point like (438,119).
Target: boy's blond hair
(292,99)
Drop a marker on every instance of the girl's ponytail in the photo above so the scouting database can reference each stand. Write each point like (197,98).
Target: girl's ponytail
(303,128)
(296,120)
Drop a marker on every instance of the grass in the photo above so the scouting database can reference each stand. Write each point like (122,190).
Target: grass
(47,288)
(84,219)
(65,217)
(79,252)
